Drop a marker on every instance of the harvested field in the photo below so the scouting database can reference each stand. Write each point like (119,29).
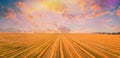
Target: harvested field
(29,45)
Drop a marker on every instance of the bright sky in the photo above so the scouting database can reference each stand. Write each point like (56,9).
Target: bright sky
(74,16)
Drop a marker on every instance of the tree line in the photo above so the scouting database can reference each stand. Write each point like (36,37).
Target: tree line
(111,33)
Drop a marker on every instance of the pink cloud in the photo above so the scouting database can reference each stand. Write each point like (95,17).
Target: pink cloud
(30,19)
(20,4)
(95,14)
(95,7)
(118,11)
(114,28)
(11,15)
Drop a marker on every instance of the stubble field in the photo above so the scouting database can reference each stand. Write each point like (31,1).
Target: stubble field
(31,45)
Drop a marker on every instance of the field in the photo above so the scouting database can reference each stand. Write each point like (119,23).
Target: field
(35,45)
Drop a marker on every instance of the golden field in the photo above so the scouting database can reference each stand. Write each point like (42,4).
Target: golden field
(36,45)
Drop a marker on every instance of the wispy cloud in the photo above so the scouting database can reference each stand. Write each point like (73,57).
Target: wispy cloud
(75,14)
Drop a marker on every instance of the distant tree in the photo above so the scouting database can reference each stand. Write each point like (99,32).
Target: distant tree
(111,33)
(118,32)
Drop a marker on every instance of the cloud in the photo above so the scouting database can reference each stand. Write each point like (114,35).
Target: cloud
(114,28)
(108,4)
(63,29)
(95,14)
(29,18)
(106,20)
(19,4)
(95,7)
(54,5)
(118,11)
(38,13)
(83,5)
(117,29)
(68,16)
(11,15)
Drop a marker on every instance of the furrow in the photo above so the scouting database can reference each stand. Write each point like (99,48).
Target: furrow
(91,52)
(34,45)
(46,48)
(110,54)
(70,44)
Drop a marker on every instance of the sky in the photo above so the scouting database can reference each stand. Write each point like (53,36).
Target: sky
(74,16)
